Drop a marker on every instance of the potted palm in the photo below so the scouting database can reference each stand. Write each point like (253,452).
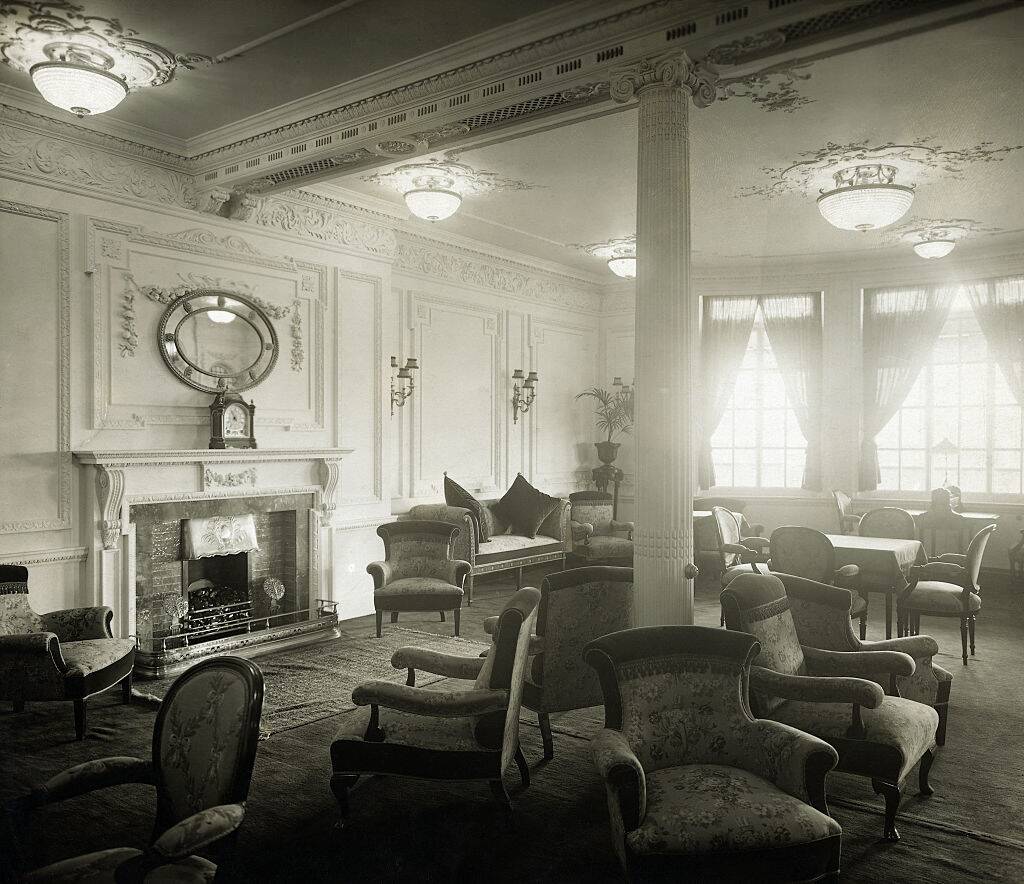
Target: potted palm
(614,413)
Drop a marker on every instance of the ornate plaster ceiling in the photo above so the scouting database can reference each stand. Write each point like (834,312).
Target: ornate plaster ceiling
(944,106)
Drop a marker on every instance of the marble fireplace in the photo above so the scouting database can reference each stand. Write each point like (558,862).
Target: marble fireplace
(181,607)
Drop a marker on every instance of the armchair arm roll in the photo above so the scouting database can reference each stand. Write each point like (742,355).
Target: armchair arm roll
(794,761)
(858,663)
(448,665)
(441,704)
(467,544)
(847,575)
(381,572)
(557,523)
(746,554)
(80,624)
(920,647)
(623,777)
(197,831)
(817,689)
(945,572)
(581,531)
(758,543)
(92,775)
(461,571)
(628,527)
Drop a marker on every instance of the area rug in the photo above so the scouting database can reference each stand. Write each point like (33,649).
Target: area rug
(315,682)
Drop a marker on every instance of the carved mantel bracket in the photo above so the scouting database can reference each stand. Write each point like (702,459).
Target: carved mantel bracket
(669,69)
(110,493)
(330,477)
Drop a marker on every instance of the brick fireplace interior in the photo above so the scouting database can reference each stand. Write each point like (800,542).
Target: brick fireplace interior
(282,533)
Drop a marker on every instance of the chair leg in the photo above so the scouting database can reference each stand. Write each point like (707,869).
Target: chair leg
(80,719)
(442,616)
(499,791)
(864,627)
(524,768)
(469,590)
(544,720)
(19,705)
(394,616)
(963,638)
(126,690)
(457,618)
(970,630)
(380,620)
(922,773)
(892,796)
(519,578)
(940,731)
(340,784)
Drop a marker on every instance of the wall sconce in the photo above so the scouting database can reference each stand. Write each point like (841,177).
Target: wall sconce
(522,397)
(404,390)
(625,392)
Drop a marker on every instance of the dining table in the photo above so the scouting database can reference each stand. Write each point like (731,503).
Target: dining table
(883,562)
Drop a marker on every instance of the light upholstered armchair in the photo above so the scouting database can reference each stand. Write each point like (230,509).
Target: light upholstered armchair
(835,695)
(204,748)
(597,538)
(461,733)
(62,655)
(822,617)
(699,790)
(418,572)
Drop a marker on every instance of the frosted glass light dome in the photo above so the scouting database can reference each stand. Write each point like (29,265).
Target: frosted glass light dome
(80,89)
(934,248)
(865,198)
(624,266)
(433,204)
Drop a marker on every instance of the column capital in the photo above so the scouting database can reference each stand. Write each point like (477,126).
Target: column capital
(670,69)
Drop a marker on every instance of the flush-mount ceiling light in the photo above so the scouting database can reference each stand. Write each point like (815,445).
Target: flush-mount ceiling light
(222,316)
(865,198)
(82,89)
(934,248)
(433,197)
(624,266)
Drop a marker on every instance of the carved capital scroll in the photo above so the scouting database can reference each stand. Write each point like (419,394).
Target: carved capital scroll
(670,69)
(110,493)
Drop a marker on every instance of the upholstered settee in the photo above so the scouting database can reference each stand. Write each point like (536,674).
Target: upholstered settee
(502,552)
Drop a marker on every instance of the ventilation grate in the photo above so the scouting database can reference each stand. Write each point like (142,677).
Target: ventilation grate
(532,77)
(230,169)
(251,164)
(846,17)
(515,111)
(456,100)
(426,109)
(276,155)
(211,176)
(606,54)
(323,141)
(306,169)
(298,148)
(737,14)
(394,119)
(349,133)
(681,31)
(568,66)
(776,4)
(493,89)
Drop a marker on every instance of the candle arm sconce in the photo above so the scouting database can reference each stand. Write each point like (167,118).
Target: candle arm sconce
(406,384)
(524,391)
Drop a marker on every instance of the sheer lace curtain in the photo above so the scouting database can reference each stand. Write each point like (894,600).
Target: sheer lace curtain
(726,324)
(793,324)
(999,307)
(901,325)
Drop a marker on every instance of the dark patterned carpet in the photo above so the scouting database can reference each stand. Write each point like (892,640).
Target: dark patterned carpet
(972,829)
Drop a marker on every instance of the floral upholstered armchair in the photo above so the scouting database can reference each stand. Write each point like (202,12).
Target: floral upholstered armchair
(835,695)
(576,606)
(821,615)
(63,655)
(418,572)
(463,733)
(697,788)
(596,536)
(204,748)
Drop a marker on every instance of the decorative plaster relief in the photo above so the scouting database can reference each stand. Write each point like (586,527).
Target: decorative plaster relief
(918,229)
(36,154)
(431,258)
(773,89)
(671,69)
(464,179)
(740,50)
(918,162)
(241,478)
(318,218)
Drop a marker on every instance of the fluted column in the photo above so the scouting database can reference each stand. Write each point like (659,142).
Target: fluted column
(666,333)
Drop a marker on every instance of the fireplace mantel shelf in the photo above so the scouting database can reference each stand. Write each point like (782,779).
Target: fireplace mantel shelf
(152,457)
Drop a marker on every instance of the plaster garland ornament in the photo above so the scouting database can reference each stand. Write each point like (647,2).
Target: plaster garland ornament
(926,229)
(773,89)
(920,161)
(83,63)
(213,479)
(165,295)
(670,69)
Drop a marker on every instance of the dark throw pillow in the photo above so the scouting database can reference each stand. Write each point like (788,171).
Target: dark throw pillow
(456,495)
(524,507)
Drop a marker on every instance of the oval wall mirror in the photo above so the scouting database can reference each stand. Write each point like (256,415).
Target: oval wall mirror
(217,341)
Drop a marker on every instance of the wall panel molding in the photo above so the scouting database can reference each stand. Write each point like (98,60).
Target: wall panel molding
(62,454)
(46,556)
